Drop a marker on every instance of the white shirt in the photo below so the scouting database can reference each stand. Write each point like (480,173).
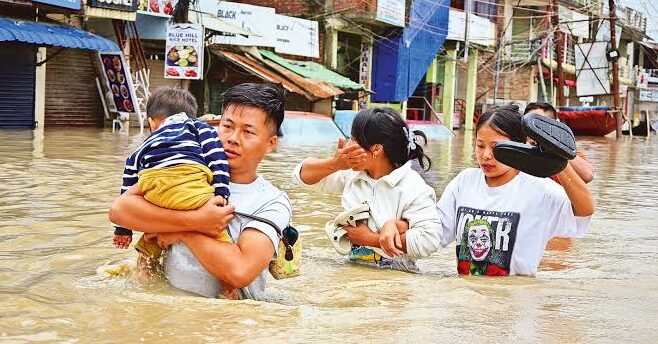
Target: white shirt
(402,194)
(259,198)
(519,219)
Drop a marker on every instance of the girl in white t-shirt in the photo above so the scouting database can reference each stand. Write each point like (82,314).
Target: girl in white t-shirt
(375,167)
(500,218)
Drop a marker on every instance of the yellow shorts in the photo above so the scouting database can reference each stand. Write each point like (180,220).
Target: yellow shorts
(180,187)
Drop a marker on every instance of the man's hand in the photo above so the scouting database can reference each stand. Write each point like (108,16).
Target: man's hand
(389,239)
(213,217)
(349,155)
(121,241)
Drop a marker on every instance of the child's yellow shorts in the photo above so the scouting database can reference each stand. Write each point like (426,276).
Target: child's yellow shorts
(180,187)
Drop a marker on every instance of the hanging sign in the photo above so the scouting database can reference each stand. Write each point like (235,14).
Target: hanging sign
(70,4)
(118,80)
(184,52)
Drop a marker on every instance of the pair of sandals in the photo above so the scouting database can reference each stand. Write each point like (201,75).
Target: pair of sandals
(556,145)
(338,236)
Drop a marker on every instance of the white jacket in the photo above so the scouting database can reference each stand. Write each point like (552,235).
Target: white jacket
(403,194)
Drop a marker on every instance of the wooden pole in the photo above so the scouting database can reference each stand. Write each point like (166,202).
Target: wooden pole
(615,66)
(559,49)
(184,7)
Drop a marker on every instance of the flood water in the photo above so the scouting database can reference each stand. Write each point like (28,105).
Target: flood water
(55,189)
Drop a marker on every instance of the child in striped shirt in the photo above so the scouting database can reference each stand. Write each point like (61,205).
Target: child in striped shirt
(180,166)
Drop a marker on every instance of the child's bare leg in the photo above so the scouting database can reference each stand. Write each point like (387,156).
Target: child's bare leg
(144,268)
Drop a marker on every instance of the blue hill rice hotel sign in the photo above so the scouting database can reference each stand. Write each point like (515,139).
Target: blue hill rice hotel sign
(70,4)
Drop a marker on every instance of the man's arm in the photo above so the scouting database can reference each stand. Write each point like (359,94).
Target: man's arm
(236,265)
(131,210)
(583,168)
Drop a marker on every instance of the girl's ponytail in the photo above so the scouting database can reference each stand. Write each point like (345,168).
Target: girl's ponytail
(416,151)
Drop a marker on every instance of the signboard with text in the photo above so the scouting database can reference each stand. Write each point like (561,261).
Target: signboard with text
(259,20)
(296,36)
(121,5)
(118,80)
(391,12)
(184,52)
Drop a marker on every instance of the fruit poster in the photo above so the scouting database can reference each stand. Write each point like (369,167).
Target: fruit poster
(117,79)
(157,7)
(184,52)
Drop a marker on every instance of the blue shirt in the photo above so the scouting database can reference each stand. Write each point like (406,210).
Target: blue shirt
(179,140)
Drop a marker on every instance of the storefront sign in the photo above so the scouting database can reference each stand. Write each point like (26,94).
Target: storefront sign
(296,36)
(70,4)
(164,8)
(184,52)
(365,63)
(391,12)
(259,20)
(649,96)
(121,5)
(118,80)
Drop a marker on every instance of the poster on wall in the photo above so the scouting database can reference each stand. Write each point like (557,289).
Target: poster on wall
(391,12)
(118,80)
(184,52)
(163,8)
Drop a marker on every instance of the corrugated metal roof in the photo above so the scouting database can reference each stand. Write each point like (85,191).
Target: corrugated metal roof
(313,71)
(318,88)
(255,67)
(52,35)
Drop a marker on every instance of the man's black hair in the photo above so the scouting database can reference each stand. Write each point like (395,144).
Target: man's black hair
(265,96)
(541,106)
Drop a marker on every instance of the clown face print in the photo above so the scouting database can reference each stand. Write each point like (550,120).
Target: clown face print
(487,241)
(479,242)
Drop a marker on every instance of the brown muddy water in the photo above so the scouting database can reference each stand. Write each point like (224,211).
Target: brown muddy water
(55,189)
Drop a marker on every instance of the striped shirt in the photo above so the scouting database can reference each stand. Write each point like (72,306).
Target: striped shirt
(180,140)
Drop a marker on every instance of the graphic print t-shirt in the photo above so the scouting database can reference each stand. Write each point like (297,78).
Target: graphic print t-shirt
(503,230)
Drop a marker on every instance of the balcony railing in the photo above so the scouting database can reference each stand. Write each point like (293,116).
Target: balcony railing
(632,18)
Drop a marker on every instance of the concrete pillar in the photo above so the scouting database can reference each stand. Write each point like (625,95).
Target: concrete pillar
(40,90)
(471,87)
(331,48)
(449,88)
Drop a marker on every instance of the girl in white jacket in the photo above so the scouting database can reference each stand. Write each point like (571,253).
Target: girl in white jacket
(374,167)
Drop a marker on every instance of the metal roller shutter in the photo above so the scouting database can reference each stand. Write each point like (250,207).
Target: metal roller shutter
(71,95)
(17,80)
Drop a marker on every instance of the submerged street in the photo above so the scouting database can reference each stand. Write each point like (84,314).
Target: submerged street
(54,234)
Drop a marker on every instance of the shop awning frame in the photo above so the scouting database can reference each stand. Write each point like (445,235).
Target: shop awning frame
(43,34)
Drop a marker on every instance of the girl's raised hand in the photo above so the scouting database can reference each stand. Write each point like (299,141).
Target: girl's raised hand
(350,155)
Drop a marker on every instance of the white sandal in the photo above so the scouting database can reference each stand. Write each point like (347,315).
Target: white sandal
(338,236)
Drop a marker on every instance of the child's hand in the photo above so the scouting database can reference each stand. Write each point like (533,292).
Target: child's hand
(389,239)
(121,241)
